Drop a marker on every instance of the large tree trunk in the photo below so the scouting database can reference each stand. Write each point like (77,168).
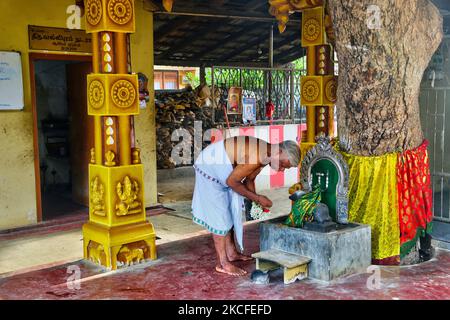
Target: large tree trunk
(380,71)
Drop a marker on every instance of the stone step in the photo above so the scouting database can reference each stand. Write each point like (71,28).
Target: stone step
(295,267)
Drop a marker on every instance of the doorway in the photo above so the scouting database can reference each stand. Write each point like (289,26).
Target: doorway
(62,134)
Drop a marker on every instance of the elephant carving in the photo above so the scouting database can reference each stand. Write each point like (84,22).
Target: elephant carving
(129,256)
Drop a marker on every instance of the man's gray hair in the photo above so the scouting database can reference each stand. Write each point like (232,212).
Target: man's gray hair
(292,149)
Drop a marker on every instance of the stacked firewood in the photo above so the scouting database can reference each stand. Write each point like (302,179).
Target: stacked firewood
(179,110)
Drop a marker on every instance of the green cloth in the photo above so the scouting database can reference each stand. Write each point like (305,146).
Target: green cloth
(303,209)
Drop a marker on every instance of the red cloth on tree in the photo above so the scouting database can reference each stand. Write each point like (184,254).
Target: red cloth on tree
(414,196)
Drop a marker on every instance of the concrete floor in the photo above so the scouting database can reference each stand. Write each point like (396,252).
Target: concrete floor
(37,251)
(36,267)
(179,189)
(185,270)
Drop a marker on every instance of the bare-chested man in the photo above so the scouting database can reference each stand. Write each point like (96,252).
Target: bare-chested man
(225,174)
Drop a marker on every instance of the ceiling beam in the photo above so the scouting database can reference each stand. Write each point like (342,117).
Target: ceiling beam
(254,4)
(224,14)
(278,43)
(196,63)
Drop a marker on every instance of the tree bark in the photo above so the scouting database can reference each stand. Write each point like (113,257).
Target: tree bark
(380,71)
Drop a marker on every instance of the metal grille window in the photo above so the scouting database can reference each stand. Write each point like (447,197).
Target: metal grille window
(435,118)
(280,84)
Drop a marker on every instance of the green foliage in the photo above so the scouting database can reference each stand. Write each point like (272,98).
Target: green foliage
(300,63)
(194,80)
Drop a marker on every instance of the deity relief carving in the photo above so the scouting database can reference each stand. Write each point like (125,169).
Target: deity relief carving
(92,152)
(136,155)
(110,157)
(97,196)
(127,192)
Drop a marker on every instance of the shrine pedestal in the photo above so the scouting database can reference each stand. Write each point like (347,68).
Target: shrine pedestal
(335,254)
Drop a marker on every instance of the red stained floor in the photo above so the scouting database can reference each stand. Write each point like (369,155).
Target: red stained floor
(185,270)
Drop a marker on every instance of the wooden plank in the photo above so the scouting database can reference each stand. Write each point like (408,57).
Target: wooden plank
(283,258)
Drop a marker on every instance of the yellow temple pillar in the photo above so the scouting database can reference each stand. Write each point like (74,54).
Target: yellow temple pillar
(318,87)
(318,92)
(117,233)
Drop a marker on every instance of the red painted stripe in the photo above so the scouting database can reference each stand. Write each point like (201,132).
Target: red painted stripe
(276,135)
(247,131)
(216,135)
(299,133)
(302,127)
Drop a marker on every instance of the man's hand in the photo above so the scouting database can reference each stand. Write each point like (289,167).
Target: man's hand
(264,201)
(235,180)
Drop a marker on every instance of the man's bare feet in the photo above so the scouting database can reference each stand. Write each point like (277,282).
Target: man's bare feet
(235,256)
(232,253)
(231,270)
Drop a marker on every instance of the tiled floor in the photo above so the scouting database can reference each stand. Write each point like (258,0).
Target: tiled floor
(185,270)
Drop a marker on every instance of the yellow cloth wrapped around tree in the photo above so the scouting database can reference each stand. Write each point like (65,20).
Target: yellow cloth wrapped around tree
(373,200)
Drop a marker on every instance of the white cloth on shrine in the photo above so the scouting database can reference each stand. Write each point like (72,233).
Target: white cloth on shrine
(215,205)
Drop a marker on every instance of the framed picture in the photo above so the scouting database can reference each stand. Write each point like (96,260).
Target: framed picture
(234,103)
(249,110)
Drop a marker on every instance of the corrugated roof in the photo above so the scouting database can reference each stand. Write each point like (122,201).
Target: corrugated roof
(182,38)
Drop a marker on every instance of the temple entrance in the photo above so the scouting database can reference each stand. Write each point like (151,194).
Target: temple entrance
(62,135)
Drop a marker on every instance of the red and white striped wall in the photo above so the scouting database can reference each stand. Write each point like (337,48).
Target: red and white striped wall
(269,179)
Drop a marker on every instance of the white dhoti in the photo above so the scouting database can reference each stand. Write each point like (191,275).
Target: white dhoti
(215,205)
